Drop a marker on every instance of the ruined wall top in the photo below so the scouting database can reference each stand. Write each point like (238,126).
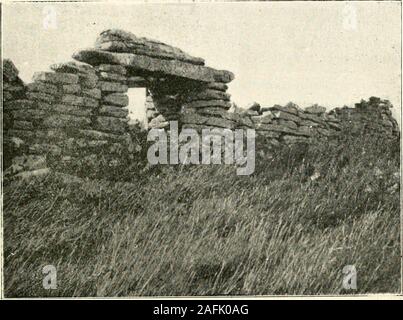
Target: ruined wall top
(124,48)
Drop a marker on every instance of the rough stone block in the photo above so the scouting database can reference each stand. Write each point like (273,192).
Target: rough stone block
(94,93)
(72,67)
(194,118)
(7,96)
(293,139)
(88,80)
(287,123)
(267,117)
(28,114)
(210,103)
(48,135)
(136,82)
(44,148)
(111,124)
(41,96)
(113,111)
(335,126)
(152,113)
(286,116)
(116,99)
(39,173)
(279,128)
(217,86)
(306,130)
(312,117)
(309,123)
(168,67)
(315,109)
(112,86)
(246,121)
(208,94)
(10,72)
(122,41)
(62,78)
(324,132)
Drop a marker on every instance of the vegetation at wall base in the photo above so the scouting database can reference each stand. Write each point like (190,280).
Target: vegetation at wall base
(289,228)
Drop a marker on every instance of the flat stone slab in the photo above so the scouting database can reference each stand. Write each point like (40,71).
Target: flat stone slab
(116,40)
(169,67)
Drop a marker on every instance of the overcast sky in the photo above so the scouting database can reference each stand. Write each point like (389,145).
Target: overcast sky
(333,53)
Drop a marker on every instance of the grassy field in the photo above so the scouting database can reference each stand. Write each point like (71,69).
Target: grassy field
(290,228)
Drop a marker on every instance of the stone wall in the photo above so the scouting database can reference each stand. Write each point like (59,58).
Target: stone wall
(79,108)
(290,124)
(67,114)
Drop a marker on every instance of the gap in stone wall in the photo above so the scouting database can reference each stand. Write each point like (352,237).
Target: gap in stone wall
(137,105)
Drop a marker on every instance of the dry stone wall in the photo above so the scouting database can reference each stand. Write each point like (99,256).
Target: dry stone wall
(78,109)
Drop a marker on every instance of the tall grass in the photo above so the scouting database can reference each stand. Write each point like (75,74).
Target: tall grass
(290,228)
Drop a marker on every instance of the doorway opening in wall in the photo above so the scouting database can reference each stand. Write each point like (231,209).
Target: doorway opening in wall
(137,106)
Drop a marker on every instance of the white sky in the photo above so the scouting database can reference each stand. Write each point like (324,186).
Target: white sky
(332,53)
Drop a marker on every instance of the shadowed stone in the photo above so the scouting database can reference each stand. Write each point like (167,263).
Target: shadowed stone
(208,94)
(113,111)
(315,109)
(217,86)
(208,103)
(65,121)
(63,78)
(108,76)
(72,67)
(111,124)
(112,68)
(42,87)
(10,72)
(112,86)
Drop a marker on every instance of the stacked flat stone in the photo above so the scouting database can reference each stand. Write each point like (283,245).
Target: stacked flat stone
(112,114)
(372,117)
(170,74)
(115,40)
(207,106)
(17,127)
(290,124)
(64,102)
(156,118)
(70,112)
(13,86)
(79,109)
